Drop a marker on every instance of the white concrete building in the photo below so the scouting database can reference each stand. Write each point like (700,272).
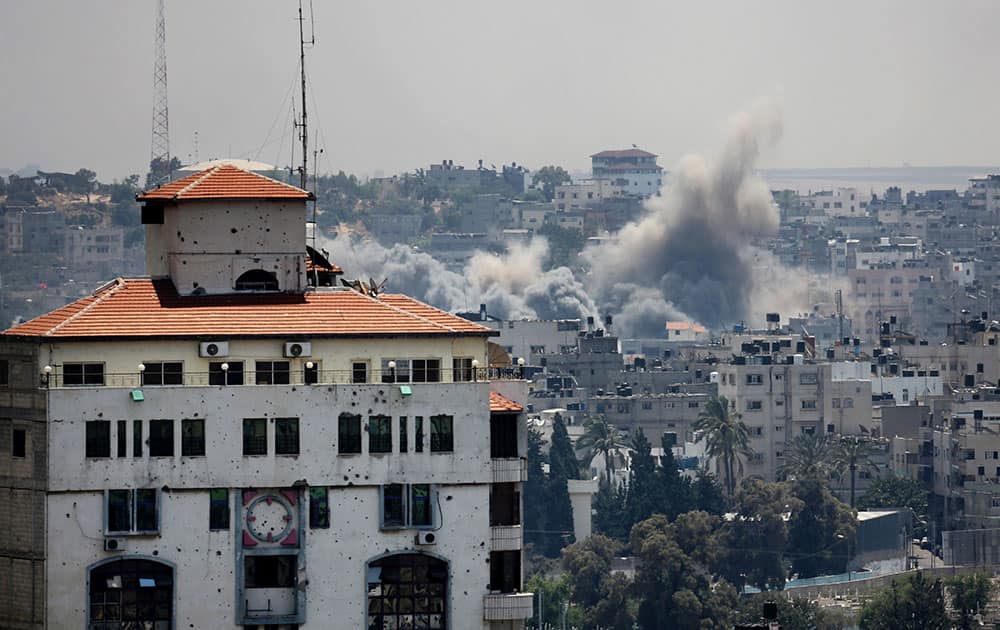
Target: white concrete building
(222,445)
(633,171)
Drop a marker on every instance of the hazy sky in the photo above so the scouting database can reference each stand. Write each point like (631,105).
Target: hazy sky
(398,85)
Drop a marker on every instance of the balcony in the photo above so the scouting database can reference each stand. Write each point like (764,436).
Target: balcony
(509,470)
(508,606)
(505,538)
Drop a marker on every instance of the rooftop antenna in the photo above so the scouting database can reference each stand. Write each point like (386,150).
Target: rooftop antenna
(301,125)
(160,168)
(840,314)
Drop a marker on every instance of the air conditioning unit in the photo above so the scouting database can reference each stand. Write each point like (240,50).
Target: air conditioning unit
(426,538)
(114,544)
(298,349)
(214,349)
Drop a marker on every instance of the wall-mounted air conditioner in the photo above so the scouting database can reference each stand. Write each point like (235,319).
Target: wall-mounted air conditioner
(214,349)
(114,544)
(298,349)
(426,538)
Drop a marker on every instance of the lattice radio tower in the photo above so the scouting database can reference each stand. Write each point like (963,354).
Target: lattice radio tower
(160,170)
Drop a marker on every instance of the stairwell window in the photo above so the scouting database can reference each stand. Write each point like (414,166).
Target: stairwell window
(83,374)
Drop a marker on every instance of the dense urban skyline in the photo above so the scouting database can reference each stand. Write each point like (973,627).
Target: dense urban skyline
(397,86)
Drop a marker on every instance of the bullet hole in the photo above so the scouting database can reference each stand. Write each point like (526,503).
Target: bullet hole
(448,498)
(156,552)
(233,230)
(67,514)
(100,415)
(218,553)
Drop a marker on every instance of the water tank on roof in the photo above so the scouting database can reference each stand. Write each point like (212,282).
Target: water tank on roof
(798,359)
(713,377)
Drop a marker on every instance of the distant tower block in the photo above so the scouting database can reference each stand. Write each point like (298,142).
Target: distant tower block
(159,158)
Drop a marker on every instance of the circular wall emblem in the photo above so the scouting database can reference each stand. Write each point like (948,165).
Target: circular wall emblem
(269,518)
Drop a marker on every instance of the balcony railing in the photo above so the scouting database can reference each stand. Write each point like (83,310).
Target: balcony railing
(505,538)
(508,606)
(509,470)
(297,376)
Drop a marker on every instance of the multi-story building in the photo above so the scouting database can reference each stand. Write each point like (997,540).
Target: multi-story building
(224,445)
(633,171)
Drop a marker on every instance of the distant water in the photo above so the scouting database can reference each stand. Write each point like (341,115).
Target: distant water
(918,178)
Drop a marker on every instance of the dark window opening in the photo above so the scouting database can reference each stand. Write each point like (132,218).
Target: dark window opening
(218,508)
(393,508)
(407,505)
(131,593)
(398,374)
(257,280)
(359,372)
(442,434)
(505,571)
(403,437)
(132,511)
(271,571)
(408,591)
(349,433)
(421,512)
(98,438)
(122,438)
(233,375)
(18,447)
(155,373)
(461,369)
(286,436)
(254,436)
(418,434)
(4,372)
(379,434)
(503,435)
(310,375)
(505,504)
(273,372)
(83,374)
(426,370)
(137,438)
(161,438)
(319,507)
(152,215)
(193,438)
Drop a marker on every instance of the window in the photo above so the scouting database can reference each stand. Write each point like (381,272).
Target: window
(271,571)
(4,372)
(692,405)
(232,375)
(193,438)
(359,372)
(809,405)
(808,378)
(132,511)
(161,373)
(161,438)
(83,374)
(272,372)
(319,508)
(418,434)
(408,591)
(139,593)
(505,504)
(647,405)
(257,280)
(98,438)
(537,349)
(754,405)
(218,508)
(505,571)
(137,438)
(426,370)
(461,369)
(848,403)
(310,373)
(286,436)
(755,379)
(18,447)
(349,433)
(756,431)
(255,436)
(379,434)
(835,403)
(442,434)
(403,438)
(399,374)
(408,505)
(122,438)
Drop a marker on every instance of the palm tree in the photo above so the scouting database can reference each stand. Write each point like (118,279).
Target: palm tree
(852,453)
(726,437)
(809,456)
(600,437)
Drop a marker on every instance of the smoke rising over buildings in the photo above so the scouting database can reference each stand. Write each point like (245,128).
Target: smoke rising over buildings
(691,255)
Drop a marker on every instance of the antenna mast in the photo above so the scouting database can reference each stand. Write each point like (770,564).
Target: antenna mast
(160,169)
(303,129)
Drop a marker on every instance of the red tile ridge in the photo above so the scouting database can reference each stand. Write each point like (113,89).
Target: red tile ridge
(100,294)
(411,314)
(500,403)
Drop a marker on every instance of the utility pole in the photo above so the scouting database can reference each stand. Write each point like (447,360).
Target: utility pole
(301,125)
(160,170)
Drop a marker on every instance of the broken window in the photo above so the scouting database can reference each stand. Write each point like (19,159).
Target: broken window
(254,436)
(98,438)
(286,436)
(131,593)
(407,590)
(232,375)
(379,434)
(442,434)
(75,374)
(349,433)
(132,511)
(273,372)
(163,373)
(193,438)
(18,443)
(407,505)
(319,507)
(271,571)
(218,508)
(161,438)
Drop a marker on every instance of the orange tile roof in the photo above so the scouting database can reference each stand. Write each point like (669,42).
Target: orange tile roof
(144,308)
(623,153)
(312,266)
(500,404)
(224,181)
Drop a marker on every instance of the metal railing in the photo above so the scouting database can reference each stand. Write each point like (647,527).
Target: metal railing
(296,376)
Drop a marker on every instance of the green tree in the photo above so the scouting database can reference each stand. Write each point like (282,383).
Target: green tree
(599,438)
(757,537)
(565,245)
(809,456)
(707,493)
(851,454)
(969,596)
(672,493)
(914,603)
(794,613)
(820,531)
(587,563)
(562,457)
(897,492)
(610,517)
(558,508)
(534,491)
(549,177)
(727,438)
(642,488)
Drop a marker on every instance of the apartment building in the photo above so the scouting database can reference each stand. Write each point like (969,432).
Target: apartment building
(223,445)
(633,171)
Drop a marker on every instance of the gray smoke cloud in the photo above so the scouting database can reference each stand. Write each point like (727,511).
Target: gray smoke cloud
(513,286)
(691,255)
